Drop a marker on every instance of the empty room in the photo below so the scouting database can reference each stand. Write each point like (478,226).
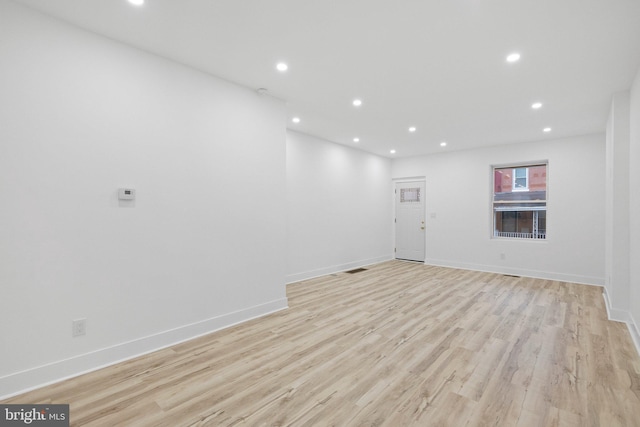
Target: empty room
(338,213)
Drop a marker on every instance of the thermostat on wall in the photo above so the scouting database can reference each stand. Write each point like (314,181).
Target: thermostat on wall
(126,193)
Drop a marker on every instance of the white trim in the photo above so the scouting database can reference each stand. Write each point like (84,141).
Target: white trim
(618,315)
(607,304)
(510,208)
(524,164)
(409,179)
(311,274)
(536,274)
(632,325)
(30,379)
(615,314)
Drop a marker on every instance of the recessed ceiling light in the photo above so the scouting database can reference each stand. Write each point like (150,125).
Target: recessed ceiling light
(392,151)
(536,105)
(546,130)
(514,57)
(356,139)
(357,102)
(136,2)
(412,129)
(296,120)
(443,144)
(282,66)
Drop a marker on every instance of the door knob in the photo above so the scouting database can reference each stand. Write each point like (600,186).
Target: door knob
(422,228)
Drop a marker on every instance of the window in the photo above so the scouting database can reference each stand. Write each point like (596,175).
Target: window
(520,201)
(410,195)
(520,179)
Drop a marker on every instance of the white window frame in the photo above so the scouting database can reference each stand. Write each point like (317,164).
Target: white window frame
(526,179)
(536,236)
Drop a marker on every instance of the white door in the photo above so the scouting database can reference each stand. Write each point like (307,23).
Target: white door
(410,208)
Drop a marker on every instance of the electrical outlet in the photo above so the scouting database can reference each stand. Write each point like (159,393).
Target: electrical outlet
(78,327)
(503,256)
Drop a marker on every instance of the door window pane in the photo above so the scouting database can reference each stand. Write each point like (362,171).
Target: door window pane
(410,195)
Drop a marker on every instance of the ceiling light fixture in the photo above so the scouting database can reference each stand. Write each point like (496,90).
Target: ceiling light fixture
(282,66)
(514,57)
(136,2)
(356,139)
(412,129)
(357,102)
(536,105)
(546,130)
(392,151)
(443,144)
(296,120)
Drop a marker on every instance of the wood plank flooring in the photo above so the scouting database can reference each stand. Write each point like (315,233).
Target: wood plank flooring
(400,344)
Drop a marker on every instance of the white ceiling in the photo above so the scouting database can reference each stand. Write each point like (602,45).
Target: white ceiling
(438,65)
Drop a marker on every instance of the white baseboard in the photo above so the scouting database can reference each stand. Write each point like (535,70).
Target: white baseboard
(624,316)
(632,325)
(305,275)
(615,314)
(607,302)
(536,274)
(21,382)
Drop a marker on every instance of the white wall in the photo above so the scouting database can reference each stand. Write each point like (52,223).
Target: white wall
(617,206)
(458,193)
(201,247)
(623,210)
(338,207)
(634,203)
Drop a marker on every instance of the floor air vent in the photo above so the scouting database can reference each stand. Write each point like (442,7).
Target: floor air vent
(356,270)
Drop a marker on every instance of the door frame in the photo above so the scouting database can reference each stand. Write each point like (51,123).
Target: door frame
(401,180)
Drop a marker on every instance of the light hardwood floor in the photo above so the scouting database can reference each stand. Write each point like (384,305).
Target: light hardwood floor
(400,344)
